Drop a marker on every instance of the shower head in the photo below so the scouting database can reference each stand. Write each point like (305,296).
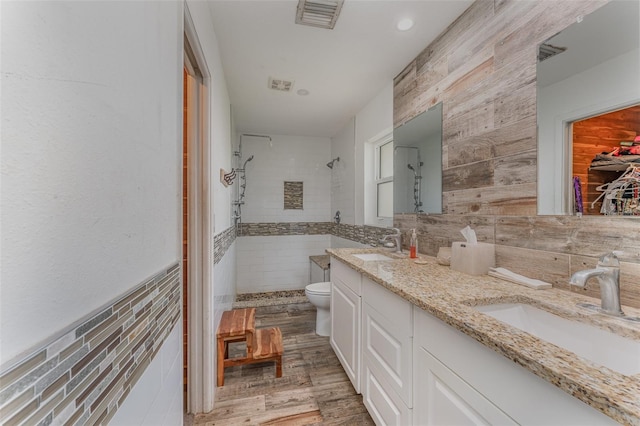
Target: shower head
(245,163)
(330,163)
(411,168)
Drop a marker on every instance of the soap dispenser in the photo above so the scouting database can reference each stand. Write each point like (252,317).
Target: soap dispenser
(413,245)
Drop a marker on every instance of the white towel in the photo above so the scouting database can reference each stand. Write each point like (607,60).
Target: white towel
(508,275)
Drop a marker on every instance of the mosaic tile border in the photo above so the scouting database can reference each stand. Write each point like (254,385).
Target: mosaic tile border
(84,376)
(222,242)
(265,229)
(363,234)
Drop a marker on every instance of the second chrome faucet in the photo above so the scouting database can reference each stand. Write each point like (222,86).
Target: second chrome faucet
(396,237)
(607,271)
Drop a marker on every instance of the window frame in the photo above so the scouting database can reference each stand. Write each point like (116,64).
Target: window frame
(378,179)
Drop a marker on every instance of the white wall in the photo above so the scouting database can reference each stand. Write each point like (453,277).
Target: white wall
(343,174)
(605,87)
(156,400)
(277,263)
(90,171)
(373,122)
(286,158)
(91,164)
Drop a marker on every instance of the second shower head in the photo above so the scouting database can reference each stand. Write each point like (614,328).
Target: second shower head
(330,163)
(245,163)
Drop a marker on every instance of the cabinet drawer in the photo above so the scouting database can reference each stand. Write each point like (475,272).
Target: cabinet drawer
(391,306)
(383,404)
(347,276)
(444,398)
(387,350)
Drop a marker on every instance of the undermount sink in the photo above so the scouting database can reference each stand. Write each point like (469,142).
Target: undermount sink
(372,256)
(599,346)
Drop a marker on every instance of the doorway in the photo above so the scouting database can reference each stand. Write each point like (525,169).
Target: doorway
(198,355)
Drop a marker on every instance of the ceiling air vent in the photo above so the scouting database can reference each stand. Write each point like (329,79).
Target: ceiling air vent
(547,50)
(279,84)
(318,13)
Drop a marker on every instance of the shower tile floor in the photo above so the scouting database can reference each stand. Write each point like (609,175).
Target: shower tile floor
(271,298)
(313,389)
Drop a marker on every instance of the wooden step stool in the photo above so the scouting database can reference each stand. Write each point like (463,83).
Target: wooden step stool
(263,344)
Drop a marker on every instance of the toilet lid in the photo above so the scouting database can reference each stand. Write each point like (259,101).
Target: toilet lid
(323,288)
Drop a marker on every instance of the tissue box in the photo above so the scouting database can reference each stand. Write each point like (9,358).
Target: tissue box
(473,259)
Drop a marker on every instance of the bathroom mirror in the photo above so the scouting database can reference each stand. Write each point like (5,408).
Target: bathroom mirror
(590,68)
(417,164)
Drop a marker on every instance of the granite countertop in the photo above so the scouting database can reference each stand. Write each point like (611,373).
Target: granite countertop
(450,296)
(322,260)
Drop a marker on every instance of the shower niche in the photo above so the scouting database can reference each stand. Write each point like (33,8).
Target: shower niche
(293,195)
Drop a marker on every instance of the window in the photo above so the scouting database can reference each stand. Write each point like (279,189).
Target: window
(384,179)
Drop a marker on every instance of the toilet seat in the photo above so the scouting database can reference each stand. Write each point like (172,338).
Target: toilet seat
(319,288)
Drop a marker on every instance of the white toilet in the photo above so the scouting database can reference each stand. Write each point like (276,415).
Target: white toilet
(319,295)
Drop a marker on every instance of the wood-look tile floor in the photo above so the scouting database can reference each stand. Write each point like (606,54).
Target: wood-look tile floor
(313,389)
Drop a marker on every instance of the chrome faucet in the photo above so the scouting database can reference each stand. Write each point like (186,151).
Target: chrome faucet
(396,237)
(608,274)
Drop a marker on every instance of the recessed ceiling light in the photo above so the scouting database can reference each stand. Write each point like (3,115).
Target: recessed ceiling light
(302,92)
(404,24)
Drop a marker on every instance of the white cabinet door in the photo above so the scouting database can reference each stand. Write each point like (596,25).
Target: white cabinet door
(443,398)
(471,380)
(387,351)
(384,405)
(345,330)
(387,330)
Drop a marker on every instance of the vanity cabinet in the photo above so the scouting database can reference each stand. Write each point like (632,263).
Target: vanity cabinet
(346,314)
(444,398)
(460,381)
(387,339)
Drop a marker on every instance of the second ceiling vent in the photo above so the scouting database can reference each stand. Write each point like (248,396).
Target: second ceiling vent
(280,84)
(318,13)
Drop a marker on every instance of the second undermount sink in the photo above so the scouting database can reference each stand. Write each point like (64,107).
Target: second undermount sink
(372,256)
(599,346)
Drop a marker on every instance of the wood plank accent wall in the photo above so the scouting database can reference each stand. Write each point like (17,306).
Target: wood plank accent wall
(483,69)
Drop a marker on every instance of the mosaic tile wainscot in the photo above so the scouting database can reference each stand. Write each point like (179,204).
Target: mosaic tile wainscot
(84,375)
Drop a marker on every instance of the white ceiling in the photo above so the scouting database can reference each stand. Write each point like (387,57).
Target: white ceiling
(343,68)
(589,45)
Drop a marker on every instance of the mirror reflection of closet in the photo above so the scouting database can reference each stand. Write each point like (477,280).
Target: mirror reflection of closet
(587,104)
(417,164)
(606,150)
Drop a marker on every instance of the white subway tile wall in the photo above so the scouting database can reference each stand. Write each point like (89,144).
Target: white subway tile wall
(287,158)
(273,263)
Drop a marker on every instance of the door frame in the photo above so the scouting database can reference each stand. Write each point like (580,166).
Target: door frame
(201,357)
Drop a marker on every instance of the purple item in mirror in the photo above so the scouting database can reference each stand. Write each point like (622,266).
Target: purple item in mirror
(577,187)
